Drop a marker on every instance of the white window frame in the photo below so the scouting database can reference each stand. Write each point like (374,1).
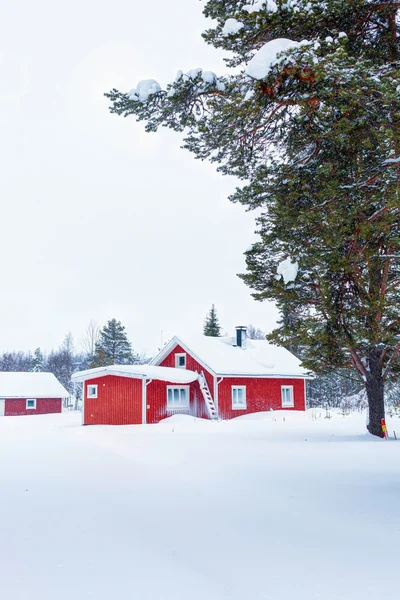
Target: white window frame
(34,404)
(239,406)
(177,357)
(291,403)
(179,387)
(91,394)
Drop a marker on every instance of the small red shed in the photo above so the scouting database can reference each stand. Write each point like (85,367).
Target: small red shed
(30,394)
(134,394)
(208,377)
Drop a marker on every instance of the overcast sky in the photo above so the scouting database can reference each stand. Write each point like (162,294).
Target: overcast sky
(99,219)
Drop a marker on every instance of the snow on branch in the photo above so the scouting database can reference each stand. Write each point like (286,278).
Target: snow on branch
(259,5)
(231,27)
(288,270)
(272,53)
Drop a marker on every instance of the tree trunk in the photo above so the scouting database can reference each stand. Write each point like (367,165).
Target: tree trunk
(375,393)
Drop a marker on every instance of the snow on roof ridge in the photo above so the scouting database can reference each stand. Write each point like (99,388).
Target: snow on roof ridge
(148,371)
(223,357)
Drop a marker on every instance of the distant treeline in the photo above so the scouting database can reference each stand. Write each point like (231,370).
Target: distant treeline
(99,347)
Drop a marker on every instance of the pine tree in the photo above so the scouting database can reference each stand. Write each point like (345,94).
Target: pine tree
(37,361)
(312,128)
(113,346)
(211,324)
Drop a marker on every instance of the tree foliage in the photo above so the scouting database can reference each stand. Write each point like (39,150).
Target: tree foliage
(38,362)
(315,139)
(113,346)
(211,323)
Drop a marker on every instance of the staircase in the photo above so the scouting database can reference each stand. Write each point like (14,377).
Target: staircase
(208,399)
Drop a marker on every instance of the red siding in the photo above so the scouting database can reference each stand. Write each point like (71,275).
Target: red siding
(118,402)
(156,400)
(261,395)
(192,365)
(44,406)
(119,399)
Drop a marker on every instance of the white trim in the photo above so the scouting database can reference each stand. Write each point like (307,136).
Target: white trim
(261,376)
(144,400)
(98,372)
(38,397)
(305,395)
(94,393)
(83,403)
(216,392)
(239,406)
(290,388)
(179,387)
(179,355)
(30,407)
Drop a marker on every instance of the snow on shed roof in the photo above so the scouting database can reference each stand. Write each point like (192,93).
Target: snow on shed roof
(220,355)
(30,385)
(139,372)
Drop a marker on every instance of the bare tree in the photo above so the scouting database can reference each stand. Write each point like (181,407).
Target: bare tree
(90,339)
(255,333)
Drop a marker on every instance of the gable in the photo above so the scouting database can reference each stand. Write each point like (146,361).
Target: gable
(221,357)
(166,358)
(192,362)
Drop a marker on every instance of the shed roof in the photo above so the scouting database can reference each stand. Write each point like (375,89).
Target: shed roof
(223,357)
(30,385)
(139,372)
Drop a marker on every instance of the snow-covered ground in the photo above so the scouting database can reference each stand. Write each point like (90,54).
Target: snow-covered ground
(251,509)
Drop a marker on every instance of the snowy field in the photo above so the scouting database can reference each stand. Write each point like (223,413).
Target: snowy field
(251,509)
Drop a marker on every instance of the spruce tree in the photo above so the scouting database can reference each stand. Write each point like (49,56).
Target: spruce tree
(311,125)
(113,346)
(211,324)
(37,364)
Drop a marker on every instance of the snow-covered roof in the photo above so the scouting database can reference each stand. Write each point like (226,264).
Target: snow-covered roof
(30,385)
(222,357)
(139,372)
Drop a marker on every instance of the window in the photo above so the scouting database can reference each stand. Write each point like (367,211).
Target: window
(180,361)
(239,397)
(178,397)
(92,391)
(31,403)
(287,396)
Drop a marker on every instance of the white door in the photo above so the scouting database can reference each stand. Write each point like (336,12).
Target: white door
(2,406)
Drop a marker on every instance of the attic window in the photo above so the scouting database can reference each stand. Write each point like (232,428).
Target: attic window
(180,361)
(31,404)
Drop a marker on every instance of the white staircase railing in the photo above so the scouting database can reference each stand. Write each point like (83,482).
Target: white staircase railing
(208,399)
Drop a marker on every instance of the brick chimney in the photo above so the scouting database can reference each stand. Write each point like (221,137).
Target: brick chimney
(241,337)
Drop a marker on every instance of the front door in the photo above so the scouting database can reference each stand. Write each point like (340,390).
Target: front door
(2,407)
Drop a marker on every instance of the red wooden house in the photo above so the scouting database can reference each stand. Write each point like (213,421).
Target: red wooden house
(30,394)
(208,377)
